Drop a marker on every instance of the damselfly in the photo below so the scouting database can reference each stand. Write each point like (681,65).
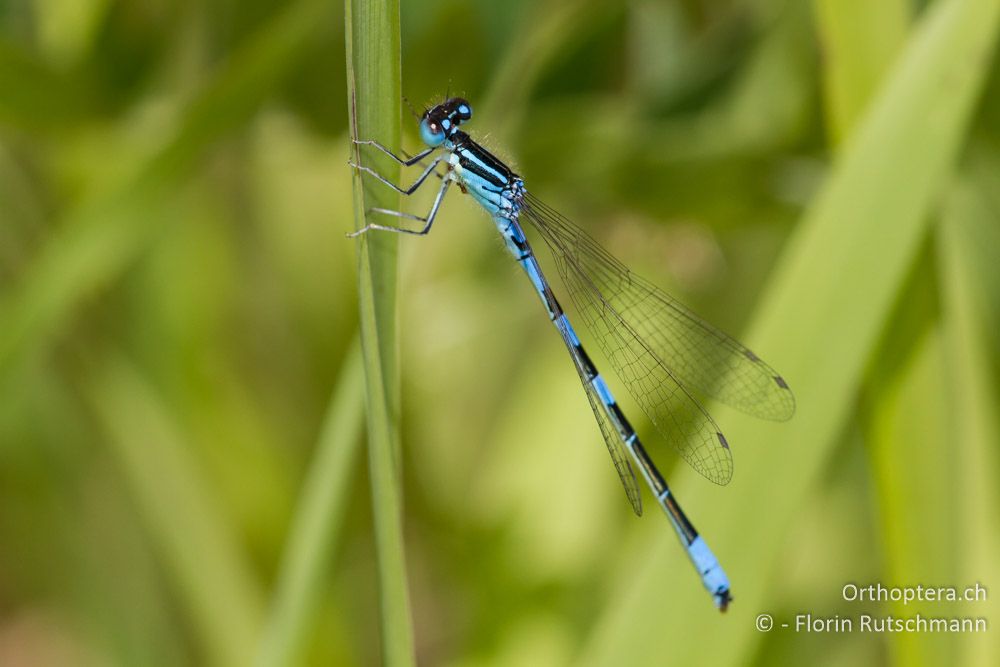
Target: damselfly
(662,352)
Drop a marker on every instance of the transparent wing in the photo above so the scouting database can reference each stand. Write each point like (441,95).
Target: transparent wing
(697,354)
(615,447)
(659,349)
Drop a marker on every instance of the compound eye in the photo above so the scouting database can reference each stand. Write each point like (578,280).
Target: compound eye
(431,132)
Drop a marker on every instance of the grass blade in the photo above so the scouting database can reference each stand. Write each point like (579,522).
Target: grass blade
(967,234)
(317,522)
(373,88)
(908,422)
(213,580)
(860,42)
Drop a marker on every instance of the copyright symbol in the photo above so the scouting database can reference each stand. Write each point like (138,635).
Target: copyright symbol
(764,622)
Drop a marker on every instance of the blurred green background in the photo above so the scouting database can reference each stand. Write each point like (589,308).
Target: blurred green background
(183,477)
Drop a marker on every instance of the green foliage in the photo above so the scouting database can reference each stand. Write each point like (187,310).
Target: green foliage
(182,391)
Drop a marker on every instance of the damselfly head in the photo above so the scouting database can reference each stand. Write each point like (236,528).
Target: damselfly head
(442,121)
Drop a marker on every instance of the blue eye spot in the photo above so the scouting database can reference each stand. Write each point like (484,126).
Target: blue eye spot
(431,133)
(446,124)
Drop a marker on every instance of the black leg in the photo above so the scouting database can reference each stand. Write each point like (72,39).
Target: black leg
(407,191)
(407,162)
(399,214)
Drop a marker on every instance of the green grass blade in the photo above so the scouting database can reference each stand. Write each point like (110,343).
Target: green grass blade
(317,523)
(860,41)
(373,88)
(913,464)
(967,239)
(827,302)
(214,582)
(95,242)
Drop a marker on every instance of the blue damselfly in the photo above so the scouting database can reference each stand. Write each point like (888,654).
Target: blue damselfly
(661,351)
